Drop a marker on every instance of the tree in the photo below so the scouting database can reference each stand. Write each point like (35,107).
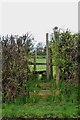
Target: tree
(40,49)
(28,42)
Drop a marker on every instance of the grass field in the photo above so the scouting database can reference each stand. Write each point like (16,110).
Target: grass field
(41,59)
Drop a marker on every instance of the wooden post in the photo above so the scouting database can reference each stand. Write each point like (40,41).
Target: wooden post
(51,66)
(57,75)
(0,72)
(47,57)
(35,55)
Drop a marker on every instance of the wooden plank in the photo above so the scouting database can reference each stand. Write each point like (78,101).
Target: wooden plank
(40,63)
(47,56)
(31,63)
(39,72)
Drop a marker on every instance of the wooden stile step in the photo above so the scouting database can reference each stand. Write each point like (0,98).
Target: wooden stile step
(45,93)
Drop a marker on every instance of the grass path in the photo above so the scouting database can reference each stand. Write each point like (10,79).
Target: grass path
(37,106)
(41,109)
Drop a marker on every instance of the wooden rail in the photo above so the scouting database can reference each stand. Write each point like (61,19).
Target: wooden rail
(31,63)
(49,66)
(39,72)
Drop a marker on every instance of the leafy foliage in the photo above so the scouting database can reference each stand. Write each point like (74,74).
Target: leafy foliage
(41,49)
(65,52)
(15,70)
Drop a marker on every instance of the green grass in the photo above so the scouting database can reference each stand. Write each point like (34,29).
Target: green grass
(41,67)
(52,106)
(41,59)
(41,109)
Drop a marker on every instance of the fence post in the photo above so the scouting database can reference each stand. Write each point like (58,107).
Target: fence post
(35,55)
(57,75)
(47,57)
(51,66)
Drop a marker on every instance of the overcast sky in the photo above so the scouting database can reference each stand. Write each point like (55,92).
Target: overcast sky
(38,17)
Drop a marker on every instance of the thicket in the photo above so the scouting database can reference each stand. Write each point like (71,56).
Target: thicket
(65,54)
(16,51)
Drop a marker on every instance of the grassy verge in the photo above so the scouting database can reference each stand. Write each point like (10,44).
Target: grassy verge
(41,109)
(62,105)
